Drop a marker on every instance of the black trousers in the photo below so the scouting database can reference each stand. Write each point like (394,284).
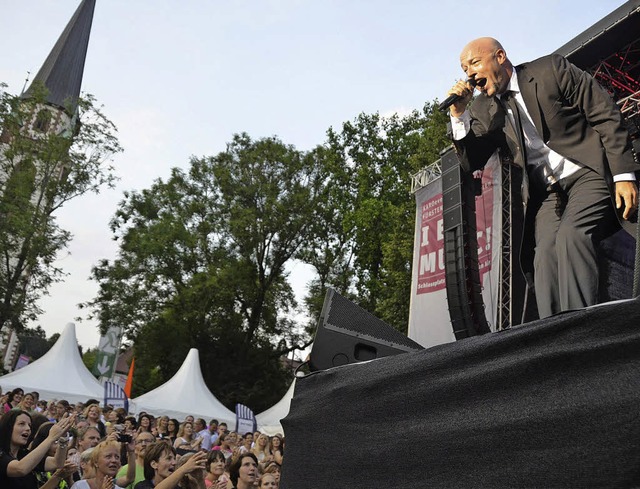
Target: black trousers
(569,222)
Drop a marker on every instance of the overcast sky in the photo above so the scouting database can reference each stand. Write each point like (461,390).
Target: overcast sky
(180,77)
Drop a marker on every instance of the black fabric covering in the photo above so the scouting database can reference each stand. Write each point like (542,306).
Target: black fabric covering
(553,403)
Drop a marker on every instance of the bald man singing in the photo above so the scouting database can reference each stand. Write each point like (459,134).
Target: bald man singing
(566,133)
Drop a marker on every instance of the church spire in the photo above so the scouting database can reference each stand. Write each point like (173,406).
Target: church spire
(62,71)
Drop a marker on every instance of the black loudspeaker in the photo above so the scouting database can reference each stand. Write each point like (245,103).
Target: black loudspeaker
(464,293)
(349,334)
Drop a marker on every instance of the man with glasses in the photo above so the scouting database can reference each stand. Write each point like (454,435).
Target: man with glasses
(143,440)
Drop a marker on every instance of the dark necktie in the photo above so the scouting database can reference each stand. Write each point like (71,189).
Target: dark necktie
(508,102)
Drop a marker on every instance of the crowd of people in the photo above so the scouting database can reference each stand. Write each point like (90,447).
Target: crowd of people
(59,445)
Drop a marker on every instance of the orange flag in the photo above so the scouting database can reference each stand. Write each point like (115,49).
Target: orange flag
(127,386)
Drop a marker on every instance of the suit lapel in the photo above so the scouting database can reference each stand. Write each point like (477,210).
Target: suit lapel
(529,90)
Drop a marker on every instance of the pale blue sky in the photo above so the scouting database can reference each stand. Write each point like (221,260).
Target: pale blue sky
(179,78)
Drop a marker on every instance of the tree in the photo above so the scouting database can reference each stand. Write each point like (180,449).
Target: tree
(89,358)
(46,160)
(367,251)
(33,342)
(202,264)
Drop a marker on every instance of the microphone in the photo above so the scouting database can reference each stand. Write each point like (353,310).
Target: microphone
(452,99)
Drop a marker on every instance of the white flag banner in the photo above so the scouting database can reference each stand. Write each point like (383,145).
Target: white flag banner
(107,353)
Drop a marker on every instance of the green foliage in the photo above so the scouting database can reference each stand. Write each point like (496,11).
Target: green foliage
(45,161)
(202,264)
(203,255)
(89,358)
(33,342)
(370,223)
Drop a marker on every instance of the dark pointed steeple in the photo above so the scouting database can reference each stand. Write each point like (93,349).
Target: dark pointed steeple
(62,71)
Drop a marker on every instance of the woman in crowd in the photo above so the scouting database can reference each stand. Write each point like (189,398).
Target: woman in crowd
(215,478)
(93,414)
(105,463)
(130,424)
(61,478)
(86,470)
(160,470)
(277,448)
(268,481)
(173,426)
(273,468)
(115,417)
(224,446)
(185,442)
(17,464)
(163,423)
(192,469)
(233,439)
(62,408)
(38,420)
(244,471)
(28,402)
(246,443)
(14,398)
(144,423)
(261,449)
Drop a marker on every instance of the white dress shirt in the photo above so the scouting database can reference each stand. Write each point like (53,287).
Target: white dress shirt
(540,158)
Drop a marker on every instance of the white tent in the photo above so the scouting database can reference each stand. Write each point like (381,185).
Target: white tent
(269,420)
(59,374)
(184,394)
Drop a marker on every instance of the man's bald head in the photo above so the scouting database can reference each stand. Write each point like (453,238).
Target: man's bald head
(485,61)
(483,44)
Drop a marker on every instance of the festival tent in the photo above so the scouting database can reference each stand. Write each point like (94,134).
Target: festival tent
(182,395)
(58,374)
(269,420)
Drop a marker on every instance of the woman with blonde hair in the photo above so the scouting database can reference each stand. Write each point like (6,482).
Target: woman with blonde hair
(28,402)
(163,428)
(185,442)
(261,450)
(93,415)
(273,468)
(105,463)
(268,481)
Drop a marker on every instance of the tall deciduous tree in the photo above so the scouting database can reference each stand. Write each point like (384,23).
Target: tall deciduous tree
(370,162)
(202,264)
(44,163)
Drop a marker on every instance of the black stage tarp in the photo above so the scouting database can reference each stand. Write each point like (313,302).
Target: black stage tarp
(553,403)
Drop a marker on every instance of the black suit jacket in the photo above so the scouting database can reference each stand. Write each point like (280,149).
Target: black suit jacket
(573,114)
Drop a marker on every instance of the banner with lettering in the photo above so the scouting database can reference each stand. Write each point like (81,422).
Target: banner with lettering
(429,321)
(245,420)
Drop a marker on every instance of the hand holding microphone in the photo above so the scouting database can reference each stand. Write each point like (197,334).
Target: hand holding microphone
(459,96)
